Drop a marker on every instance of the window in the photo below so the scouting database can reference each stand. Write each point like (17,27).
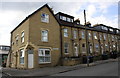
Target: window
(97,47)
(106,46)
(104,36)
(76,50)
(83,34)
(44,35)
(5,48)
(95,36)
(100,36)
(83,48)
(104,28)
(65,32)
(22,37)
(113,45)
(68,19)
(66,47)
(117,31)
(16,38)
(112,38)
(44,56)
(22,56)
(89,35)
(90,47)
(45,17)
(75,34)
(111,30)
(63,18)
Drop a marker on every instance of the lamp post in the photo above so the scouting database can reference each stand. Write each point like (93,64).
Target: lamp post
(86,35)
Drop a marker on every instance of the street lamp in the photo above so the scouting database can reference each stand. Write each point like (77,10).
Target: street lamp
(86,34)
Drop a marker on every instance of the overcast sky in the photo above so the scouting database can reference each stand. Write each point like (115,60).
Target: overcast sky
(97,11)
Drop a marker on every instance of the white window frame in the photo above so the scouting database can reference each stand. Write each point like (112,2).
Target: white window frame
(75,34)
(43,36)
(22,37)
(97,47)
(100,36)
(66,48)
(22,56)
(76,51)
(113,38)
(65,30)
(83,34)
(43,55)
(83,48)
(89,35)
(17,38)
(44,18)
(95,35)
(105,36)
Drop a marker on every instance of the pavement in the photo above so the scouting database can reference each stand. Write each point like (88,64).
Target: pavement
(47,71)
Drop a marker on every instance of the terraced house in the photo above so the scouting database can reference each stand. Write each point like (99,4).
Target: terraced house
(47,39)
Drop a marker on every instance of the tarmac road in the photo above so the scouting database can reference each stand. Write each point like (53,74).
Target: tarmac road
(107,69)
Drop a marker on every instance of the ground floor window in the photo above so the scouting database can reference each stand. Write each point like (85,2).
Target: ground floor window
(76,50)
(83,48)
(22,56)
(44,56)
(97,47)
(90,48)
(66,47)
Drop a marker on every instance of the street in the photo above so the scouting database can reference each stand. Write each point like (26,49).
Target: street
(107,69)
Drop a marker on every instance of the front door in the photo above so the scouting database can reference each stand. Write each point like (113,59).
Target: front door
(30,59)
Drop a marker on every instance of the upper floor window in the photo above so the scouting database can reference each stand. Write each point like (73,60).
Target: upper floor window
(104,36)
(117,31)
(66,48)
(63,18)
(65,32)
(100,36)
(112,38)
(89,35)
(44,56)
(104,28)
(5,48)
(69,19)
(44,35)
(75,34)
(111,30)
(45,17)
(22,37)
(16,38)
(83,34)
(22,56)
(95,35)
(97,47)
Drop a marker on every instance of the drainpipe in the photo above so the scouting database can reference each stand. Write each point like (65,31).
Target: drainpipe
(61,44)
(86,34)
(72,40)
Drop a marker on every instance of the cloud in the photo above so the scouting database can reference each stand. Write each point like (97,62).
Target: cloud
(12,16)
(91,10)
(10,19)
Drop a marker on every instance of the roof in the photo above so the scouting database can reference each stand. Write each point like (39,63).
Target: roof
(46,5)
(4,45)
(64,14)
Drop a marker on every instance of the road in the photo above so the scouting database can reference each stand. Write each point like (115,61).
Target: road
(107,69)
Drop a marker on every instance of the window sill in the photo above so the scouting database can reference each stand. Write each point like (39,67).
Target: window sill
(45,41)
(45,63)
(66,53)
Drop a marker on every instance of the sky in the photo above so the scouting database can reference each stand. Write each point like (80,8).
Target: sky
(12,12)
